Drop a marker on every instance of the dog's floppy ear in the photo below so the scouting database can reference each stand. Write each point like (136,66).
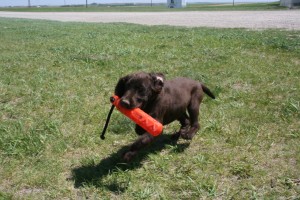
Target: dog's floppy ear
(120,87)
(158,81)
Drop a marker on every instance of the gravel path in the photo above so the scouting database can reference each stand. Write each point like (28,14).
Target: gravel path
(284,19)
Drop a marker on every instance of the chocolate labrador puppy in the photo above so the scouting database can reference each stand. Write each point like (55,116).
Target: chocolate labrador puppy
(164,100)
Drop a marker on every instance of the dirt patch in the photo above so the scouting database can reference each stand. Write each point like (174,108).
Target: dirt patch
(284,19)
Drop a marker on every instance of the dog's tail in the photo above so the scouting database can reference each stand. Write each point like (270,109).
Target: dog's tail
(207,91)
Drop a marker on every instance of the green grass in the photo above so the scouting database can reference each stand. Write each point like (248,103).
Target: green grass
(156,8)
(55,83)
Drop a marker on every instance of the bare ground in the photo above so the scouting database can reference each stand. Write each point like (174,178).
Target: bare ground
(284,19)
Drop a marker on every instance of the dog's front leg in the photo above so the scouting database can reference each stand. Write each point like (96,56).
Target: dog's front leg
(140,143)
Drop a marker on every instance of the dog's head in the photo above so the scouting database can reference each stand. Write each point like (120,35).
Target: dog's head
(136,90)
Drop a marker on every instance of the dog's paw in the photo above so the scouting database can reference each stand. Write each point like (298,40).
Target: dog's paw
(187,136)
(128,156)
(175,136)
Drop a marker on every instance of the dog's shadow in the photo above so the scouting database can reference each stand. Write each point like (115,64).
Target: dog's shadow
(92,175)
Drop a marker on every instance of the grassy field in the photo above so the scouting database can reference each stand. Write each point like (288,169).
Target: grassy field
(55,83)
(156,8)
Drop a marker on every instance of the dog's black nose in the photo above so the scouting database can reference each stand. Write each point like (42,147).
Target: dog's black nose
(125,103)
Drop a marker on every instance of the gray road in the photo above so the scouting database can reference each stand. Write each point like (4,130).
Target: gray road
(284,19)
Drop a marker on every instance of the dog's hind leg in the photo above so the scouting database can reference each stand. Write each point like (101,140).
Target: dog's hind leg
(185,124)
(193,110)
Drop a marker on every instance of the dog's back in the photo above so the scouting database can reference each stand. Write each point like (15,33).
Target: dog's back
(181,86)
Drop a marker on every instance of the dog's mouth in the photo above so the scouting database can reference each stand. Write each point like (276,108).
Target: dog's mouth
(129,104)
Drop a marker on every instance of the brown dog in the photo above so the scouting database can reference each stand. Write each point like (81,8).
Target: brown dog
(165,100)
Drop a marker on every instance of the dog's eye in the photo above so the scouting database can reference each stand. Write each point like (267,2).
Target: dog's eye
(140,100)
